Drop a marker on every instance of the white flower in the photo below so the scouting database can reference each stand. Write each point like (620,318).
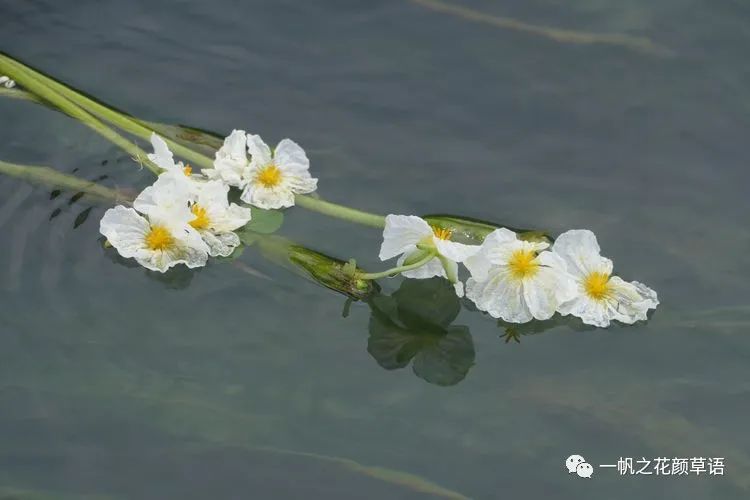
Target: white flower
(230,162)
(216,219)
(600,296)
(413,238)
(516,280)
(211,214)
(162,239)
(272,180)
(7,82)
(156,243)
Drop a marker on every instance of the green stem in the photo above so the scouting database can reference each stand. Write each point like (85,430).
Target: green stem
(39,88)
(396,270)
(123,121)
(340,211)
(53,178)
(20,94)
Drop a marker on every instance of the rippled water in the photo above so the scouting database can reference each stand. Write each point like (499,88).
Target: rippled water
(248,382)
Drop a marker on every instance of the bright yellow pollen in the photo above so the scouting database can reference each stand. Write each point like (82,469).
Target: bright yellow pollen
(522,265)
(269,176)
(442,233)
(201,220)
(187,170)
(159,238)
(597,285)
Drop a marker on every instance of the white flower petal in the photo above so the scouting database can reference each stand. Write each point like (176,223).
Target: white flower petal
(167,200)
(631,301)
(590,311)
(259,151)
(500,295)
(289,155)
(231,218)
(125,230)
(267,198)
(162,260)
(162,156)
(548,289)
(457,252)
(220,244)
(432,268)
(402,233)
(478,265)
(300,183)
(231,160)
(581,252)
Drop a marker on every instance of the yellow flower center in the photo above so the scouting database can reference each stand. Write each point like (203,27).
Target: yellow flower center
(159,238)
(597,285)
(201,220)
(269,176)
(187,170)
(522,264)
(442,233)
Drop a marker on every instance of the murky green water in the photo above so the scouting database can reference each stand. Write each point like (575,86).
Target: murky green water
(247,382)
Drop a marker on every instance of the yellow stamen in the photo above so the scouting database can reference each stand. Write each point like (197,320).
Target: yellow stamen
(269,176)
(522,264)
(442,233)
(201,220)
(597,285)
(159,238)
(187,170)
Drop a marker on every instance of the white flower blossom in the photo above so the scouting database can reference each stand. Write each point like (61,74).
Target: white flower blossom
(600,296)
(230,162)
(156,242)
(413,239)
(212,215)
(216,219)
(271,180)
(7,82)
(517,280)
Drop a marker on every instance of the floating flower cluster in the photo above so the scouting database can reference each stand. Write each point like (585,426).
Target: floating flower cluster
(516,280)
(185,217)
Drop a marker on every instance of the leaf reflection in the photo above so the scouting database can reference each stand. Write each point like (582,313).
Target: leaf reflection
(414,325)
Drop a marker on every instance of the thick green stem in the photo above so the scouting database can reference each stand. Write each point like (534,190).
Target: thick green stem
(39,88)
(127,123)
(396,270)
(340,211)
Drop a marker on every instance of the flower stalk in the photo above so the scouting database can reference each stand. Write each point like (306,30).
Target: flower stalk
(339,211)
(429,255)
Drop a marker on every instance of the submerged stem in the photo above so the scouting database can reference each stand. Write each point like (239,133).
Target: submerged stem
(53,178)
(396,270)
(340,211)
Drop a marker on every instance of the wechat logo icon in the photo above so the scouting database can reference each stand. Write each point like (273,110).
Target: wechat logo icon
(578,465)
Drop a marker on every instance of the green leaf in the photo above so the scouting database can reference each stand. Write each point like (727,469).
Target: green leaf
(263,222)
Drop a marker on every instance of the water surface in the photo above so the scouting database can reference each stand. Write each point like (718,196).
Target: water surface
(115,383)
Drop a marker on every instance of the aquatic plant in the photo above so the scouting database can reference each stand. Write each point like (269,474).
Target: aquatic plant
(185,217)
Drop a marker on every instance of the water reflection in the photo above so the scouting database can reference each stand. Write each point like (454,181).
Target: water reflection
(414,325)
